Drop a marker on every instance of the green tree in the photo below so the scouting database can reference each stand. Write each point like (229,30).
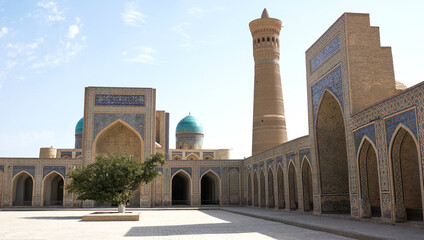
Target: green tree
(114,178)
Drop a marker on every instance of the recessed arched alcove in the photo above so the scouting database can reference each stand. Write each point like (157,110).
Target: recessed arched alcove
(23,189)
(332,156)
(280,183)
(53,190)
(119,137)
(369,181)
(209,189)
(181,185)
(406,177)
(271,200)
(308,203)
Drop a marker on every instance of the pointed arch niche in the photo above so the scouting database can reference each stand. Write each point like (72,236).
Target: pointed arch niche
(332,156)
(249,189)
(293,196)
(210,188)
(262,191)
(308,202)
(23,189)
(369,180)
(271,198)
(406,176)
(280,183)
(53,189)
(119,137)
(181,188)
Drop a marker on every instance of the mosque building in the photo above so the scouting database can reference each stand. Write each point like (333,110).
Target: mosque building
(363,156)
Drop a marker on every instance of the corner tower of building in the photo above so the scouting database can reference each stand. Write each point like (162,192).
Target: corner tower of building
(269,122)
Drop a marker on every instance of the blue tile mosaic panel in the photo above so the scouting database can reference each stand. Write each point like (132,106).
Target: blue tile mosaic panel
(59,169)
(279,158)
(120,100)
(210,154)
(290,156)
(102,120)
(217,170)
(195,153)
(305,152)
(77,154)
(269,162)
(237,168)
(325,53)
(331,82)
(65,154)
(368,131)
(406,118)
(177,154)
(159,169)
(187,169)
(29,169)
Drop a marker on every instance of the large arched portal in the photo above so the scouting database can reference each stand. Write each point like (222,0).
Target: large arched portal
(271,200)
(308,202)
(53,190)
(181,186)
(263,203)
(294,204)
(23,187)
(249,189)
(280,183)
(255,189)
(119,137)
(368,177)
(209,190)
(332,156)
(406,178)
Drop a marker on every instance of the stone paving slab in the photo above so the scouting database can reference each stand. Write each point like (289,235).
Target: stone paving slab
(153,224)
(336,225)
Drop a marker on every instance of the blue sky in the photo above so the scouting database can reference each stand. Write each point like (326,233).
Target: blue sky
(197,54)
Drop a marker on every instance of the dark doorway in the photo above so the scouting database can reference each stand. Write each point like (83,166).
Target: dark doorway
(23,186)
(180,189)
(209,189)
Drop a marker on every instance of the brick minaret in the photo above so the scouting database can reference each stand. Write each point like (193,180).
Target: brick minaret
(269,122)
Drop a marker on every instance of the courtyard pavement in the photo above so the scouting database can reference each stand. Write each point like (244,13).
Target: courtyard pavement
(192,223)
(153,224)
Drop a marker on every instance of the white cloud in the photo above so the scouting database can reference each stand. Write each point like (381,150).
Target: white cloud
(132,16)
(16,49)
(180,30)
(73,31)
(145,56)
(195,11)
(10,64)
(3,31)
(53,13)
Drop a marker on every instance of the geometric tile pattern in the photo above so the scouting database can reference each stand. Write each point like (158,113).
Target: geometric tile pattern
(406,118)
(102,120)
(60,169)
(123,100)
(213,169)
(28,169)
(368,131)
(65,154)
(186,169)
(325,53)
(331,82)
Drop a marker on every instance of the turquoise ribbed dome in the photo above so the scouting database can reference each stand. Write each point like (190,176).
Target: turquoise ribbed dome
(78,127)
(189,124)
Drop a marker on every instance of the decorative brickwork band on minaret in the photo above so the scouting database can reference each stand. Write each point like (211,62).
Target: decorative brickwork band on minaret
(269,122)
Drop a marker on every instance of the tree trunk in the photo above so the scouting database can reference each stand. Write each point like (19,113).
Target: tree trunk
(121,208)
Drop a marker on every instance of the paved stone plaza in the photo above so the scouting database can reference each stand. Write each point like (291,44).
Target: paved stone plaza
(153,224)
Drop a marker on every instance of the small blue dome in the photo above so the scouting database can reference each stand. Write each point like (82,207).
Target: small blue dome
(79,126)
(189,124)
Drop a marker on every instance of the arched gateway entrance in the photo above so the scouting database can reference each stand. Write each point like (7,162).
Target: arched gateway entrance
(53,190)
(332,156)
(209,189)
(23,187)
(181,186)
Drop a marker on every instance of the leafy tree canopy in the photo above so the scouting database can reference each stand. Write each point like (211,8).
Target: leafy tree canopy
(113,178)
